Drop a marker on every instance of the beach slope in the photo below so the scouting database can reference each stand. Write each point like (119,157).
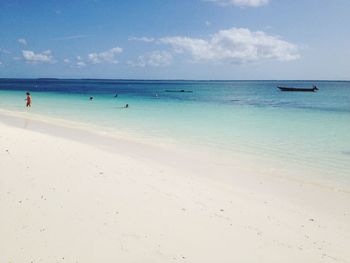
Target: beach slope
(63,200)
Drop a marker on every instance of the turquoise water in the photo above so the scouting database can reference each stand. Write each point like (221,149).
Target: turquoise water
(304,130)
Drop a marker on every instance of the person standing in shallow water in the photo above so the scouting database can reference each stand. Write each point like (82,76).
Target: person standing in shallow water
(29,100)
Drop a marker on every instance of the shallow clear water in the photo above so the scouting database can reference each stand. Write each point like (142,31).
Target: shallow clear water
(308,130)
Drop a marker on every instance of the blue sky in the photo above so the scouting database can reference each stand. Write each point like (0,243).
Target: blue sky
(175,39)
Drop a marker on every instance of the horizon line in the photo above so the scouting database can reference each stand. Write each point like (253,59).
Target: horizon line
(141,79)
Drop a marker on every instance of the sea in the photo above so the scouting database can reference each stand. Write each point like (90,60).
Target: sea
(305,131)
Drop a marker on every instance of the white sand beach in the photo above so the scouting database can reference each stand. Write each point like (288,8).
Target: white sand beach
(69,195)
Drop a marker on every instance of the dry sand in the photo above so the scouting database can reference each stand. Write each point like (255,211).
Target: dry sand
(73,196)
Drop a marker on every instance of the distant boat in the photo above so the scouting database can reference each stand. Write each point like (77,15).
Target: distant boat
(181,90)
(313,89)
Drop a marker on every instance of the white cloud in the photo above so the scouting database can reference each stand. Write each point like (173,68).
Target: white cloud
(22,41)
(235,45)
(153,59)
(31,57)
(80,64)
(108,56)
(142,39)
(241,3)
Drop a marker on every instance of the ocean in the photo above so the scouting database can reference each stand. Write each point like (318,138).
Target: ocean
(304,131)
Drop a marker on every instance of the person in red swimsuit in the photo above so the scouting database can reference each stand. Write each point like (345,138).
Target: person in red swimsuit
(29,100)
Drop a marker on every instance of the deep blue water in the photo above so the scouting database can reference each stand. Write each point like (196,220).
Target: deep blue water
(333,96)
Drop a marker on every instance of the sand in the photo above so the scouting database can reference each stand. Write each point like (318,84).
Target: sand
(72,195)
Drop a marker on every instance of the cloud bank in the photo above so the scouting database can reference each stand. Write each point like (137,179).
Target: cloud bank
(153,59)
(235,45)
(108,56)
(31,57)
(79,63)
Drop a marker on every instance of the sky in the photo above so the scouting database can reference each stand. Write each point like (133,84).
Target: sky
(175,39)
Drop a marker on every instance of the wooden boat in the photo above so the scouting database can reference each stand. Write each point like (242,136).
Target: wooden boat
(313,89)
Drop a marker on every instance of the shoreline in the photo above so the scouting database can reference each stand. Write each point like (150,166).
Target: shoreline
(78,200)
(104,137)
